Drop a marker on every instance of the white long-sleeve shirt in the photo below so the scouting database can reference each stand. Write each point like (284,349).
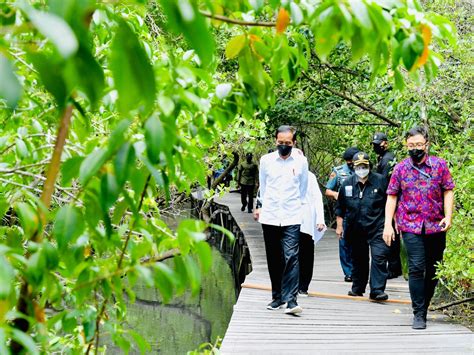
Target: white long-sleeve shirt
(283,185)
(313,213)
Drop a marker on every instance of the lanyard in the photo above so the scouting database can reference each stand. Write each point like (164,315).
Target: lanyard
(424,173)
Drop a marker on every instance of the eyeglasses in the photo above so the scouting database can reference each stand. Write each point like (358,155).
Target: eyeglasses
(416,146)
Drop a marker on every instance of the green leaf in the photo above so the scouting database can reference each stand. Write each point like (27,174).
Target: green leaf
(3,340)
(408,55)
(88,74)
(10,87)
(36,268)
(189,231)
(399,81)
(55,29)
(51,255)
(108,191)
(164,280)
(235,46)
(25,340)
(204,252)
(68,226)
(359,9)
(123,162)
(21,148)
(223,230)
(133,74)
(143,345)
(185,19)
(51,75)
(28,218)
(154,137)
(70,169)
(91,165)
(6,278)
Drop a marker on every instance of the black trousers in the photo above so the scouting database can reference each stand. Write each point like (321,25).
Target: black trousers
(394,262)
(247,191)
(424,252)
(282,249)
(306,259)
(361,242)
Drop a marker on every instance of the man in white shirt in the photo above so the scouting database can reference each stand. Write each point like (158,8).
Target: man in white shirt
(283,177)
(311,231)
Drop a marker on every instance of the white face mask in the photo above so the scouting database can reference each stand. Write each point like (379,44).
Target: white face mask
(362,173)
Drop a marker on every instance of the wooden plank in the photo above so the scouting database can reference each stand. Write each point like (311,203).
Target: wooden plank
(328,325)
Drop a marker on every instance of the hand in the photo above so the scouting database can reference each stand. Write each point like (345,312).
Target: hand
(339,232)
(396,228)
(336,195)
(388,234)
(445,224)
(320,227)
(256,214)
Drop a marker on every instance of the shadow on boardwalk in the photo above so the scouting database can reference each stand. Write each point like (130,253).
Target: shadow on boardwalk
(329,325)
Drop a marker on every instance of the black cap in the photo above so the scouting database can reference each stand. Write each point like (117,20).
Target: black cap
(379,137)
(360,158)
(349,153)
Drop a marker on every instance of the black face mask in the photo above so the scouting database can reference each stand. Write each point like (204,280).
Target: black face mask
(416,154)
(284,150)
(350,165)
(249,159)
(378,149)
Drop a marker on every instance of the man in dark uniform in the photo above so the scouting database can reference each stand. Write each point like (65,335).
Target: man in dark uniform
(338,176)
(247,178)
(360,203)
(385,164)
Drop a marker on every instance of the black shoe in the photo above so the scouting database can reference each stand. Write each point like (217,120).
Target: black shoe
(243,208)
(419,322)
(275,304)
(348,278)
(379,296)
(249,211)
(303,293)
(354,294)
(293,308)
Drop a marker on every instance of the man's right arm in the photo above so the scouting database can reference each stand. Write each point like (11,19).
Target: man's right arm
(390,207)
(331,186)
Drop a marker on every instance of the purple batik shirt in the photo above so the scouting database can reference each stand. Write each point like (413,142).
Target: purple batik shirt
(420,190)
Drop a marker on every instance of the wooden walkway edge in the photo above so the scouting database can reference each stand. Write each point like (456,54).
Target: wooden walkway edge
(331,322)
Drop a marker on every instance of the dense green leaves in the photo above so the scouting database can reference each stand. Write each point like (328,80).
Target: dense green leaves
(184,17)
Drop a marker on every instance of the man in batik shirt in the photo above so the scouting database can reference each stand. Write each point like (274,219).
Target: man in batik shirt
(421,191)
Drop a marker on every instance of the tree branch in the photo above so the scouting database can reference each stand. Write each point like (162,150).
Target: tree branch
(363,106)
(237,22)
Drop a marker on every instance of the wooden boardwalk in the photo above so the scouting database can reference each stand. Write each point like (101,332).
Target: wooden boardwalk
(329,325)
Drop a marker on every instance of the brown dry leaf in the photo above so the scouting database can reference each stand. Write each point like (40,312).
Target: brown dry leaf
(283,20)
(426,34)
(39,312)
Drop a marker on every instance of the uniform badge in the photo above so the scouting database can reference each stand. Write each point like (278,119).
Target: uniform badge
(348,191)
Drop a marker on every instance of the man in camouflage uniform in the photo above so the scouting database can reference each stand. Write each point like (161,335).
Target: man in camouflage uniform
(338,176)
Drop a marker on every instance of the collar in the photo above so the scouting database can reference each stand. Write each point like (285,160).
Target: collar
(427,162)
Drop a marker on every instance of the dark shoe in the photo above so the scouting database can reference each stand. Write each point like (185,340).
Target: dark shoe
(354,294)
(293,308)
(249,211)
(419,322)
(348,278)
(243,208)
(303,294)
(379,296)
(275,304)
